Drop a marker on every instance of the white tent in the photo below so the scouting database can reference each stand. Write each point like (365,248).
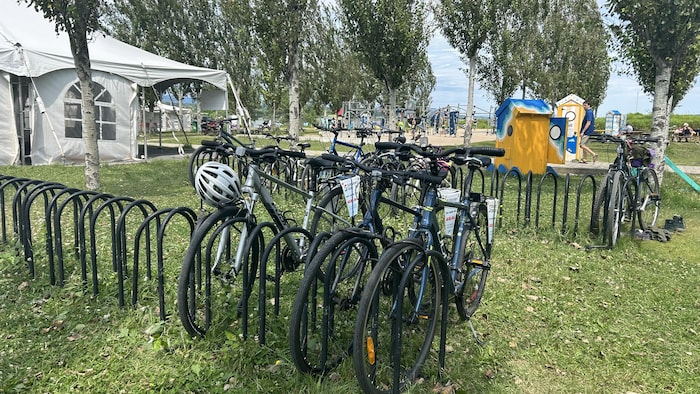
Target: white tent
(40,107)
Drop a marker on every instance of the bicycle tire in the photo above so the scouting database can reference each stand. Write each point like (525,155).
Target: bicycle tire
(206,153)
(602,197)
(198,295)
(475,269)
(649,199)
(331,213)
(323,313)
(278,169)
(618,208)
(392,344)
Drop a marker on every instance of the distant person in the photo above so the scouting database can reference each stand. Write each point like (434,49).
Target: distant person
(684,132)
(587,130)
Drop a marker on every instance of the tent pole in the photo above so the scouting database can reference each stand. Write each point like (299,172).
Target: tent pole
(143,122)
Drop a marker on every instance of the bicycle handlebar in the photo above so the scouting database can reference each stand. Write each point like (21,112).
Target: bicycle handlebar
(486,151)
(419,175)
(633,140)
(275,151)
(386,145)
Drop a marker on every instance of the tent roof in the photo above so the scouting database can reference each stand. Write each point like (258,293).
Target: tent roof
(23,30)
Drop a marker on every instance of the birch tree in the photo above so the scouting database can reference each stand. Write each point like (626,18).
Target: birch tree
(281,30)
(663,36)
(79,19)
(467,24)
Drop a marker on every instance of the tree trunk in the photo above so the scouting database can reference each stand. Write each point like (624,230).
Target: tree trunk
(81,57)
(469,118)
(392,110)
(294,105)
(659,116)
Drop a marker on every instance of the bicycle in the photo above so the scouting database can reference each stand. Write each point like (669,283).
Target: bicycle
(323,310)
(409,288)
(229,241)
(629,192)
(220,149)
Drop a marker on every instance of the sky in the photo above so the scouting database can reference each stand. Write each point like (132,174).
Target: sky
(623,94)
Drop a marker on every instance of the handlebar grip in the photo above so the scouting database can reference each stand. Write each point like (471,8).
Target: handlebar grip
(453,151)
(210,143)
(487,151)
(384,145)
(292,153)
(426,177)
(333,158)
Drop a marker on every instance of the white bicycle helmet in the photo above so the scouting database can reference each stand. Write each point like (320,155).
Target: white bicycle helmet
(217,184)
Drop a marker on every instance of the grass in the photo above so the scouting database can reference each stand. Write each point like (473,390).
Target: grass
(556,318)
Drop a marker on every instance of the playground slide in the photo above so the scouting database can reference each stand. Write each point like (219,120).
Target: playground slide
(682,174)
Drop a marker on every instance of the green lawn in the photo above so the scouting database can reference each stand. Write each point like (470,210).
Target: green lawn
(557,317)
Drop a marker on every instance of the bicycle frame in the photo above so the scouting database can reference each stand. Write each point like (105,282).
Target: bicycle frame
(256,190)
(427,225)
(335,141)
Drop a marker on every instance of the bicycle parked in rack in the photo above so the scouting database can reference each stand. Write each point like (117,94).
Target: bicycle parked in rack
(227,242)
(629,192)
(220,149)
(323,312)
(408,290)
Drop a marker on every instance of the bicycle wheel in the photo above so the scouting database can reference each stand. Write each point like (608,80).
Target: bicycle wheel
(325,305)
(207,153)
(649,199)
(618,208)
(278,169)
(396,319)
(470,280)
(598,215)
(331,213)
(207,276)
(405,193)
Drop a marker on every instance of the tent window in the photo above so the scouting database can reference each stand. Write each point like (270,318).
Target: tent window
(105,114)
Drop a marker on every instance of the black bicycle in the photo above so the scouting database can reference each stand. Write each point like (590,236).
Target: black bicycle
(629,192)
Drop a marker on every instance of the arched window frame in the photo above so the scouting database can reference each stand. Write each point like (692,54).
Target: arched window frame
(105,112)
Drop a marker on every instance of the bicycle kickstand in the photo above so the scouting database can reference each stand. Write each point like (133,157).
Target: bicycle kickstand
(478,340)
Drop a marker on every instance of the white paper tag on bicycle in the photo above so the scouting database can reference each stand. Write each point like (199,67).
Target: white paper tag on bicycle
(450,195)
(491,209)
(351,191)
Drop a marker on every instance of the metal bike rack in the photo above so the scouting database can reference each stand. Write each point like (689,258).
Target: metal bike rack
(594,189)
(161,224)
(51,209)
(78,199)
(275,243)
(548,174)
(119,241)
(25,230)
(254,246)
(518,175)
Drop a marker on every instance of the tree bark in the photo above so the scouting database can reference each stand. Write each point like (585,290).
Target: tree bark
(469,118)
(392,110)
(81,56)
(294,105)
(659,116)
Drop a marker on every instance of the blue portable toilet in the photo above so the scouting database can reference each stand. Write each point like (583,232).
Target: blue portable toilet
(614,121)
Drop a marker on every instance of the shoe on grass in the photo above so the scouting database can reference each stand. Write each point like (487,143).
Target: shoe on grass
(678,223)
